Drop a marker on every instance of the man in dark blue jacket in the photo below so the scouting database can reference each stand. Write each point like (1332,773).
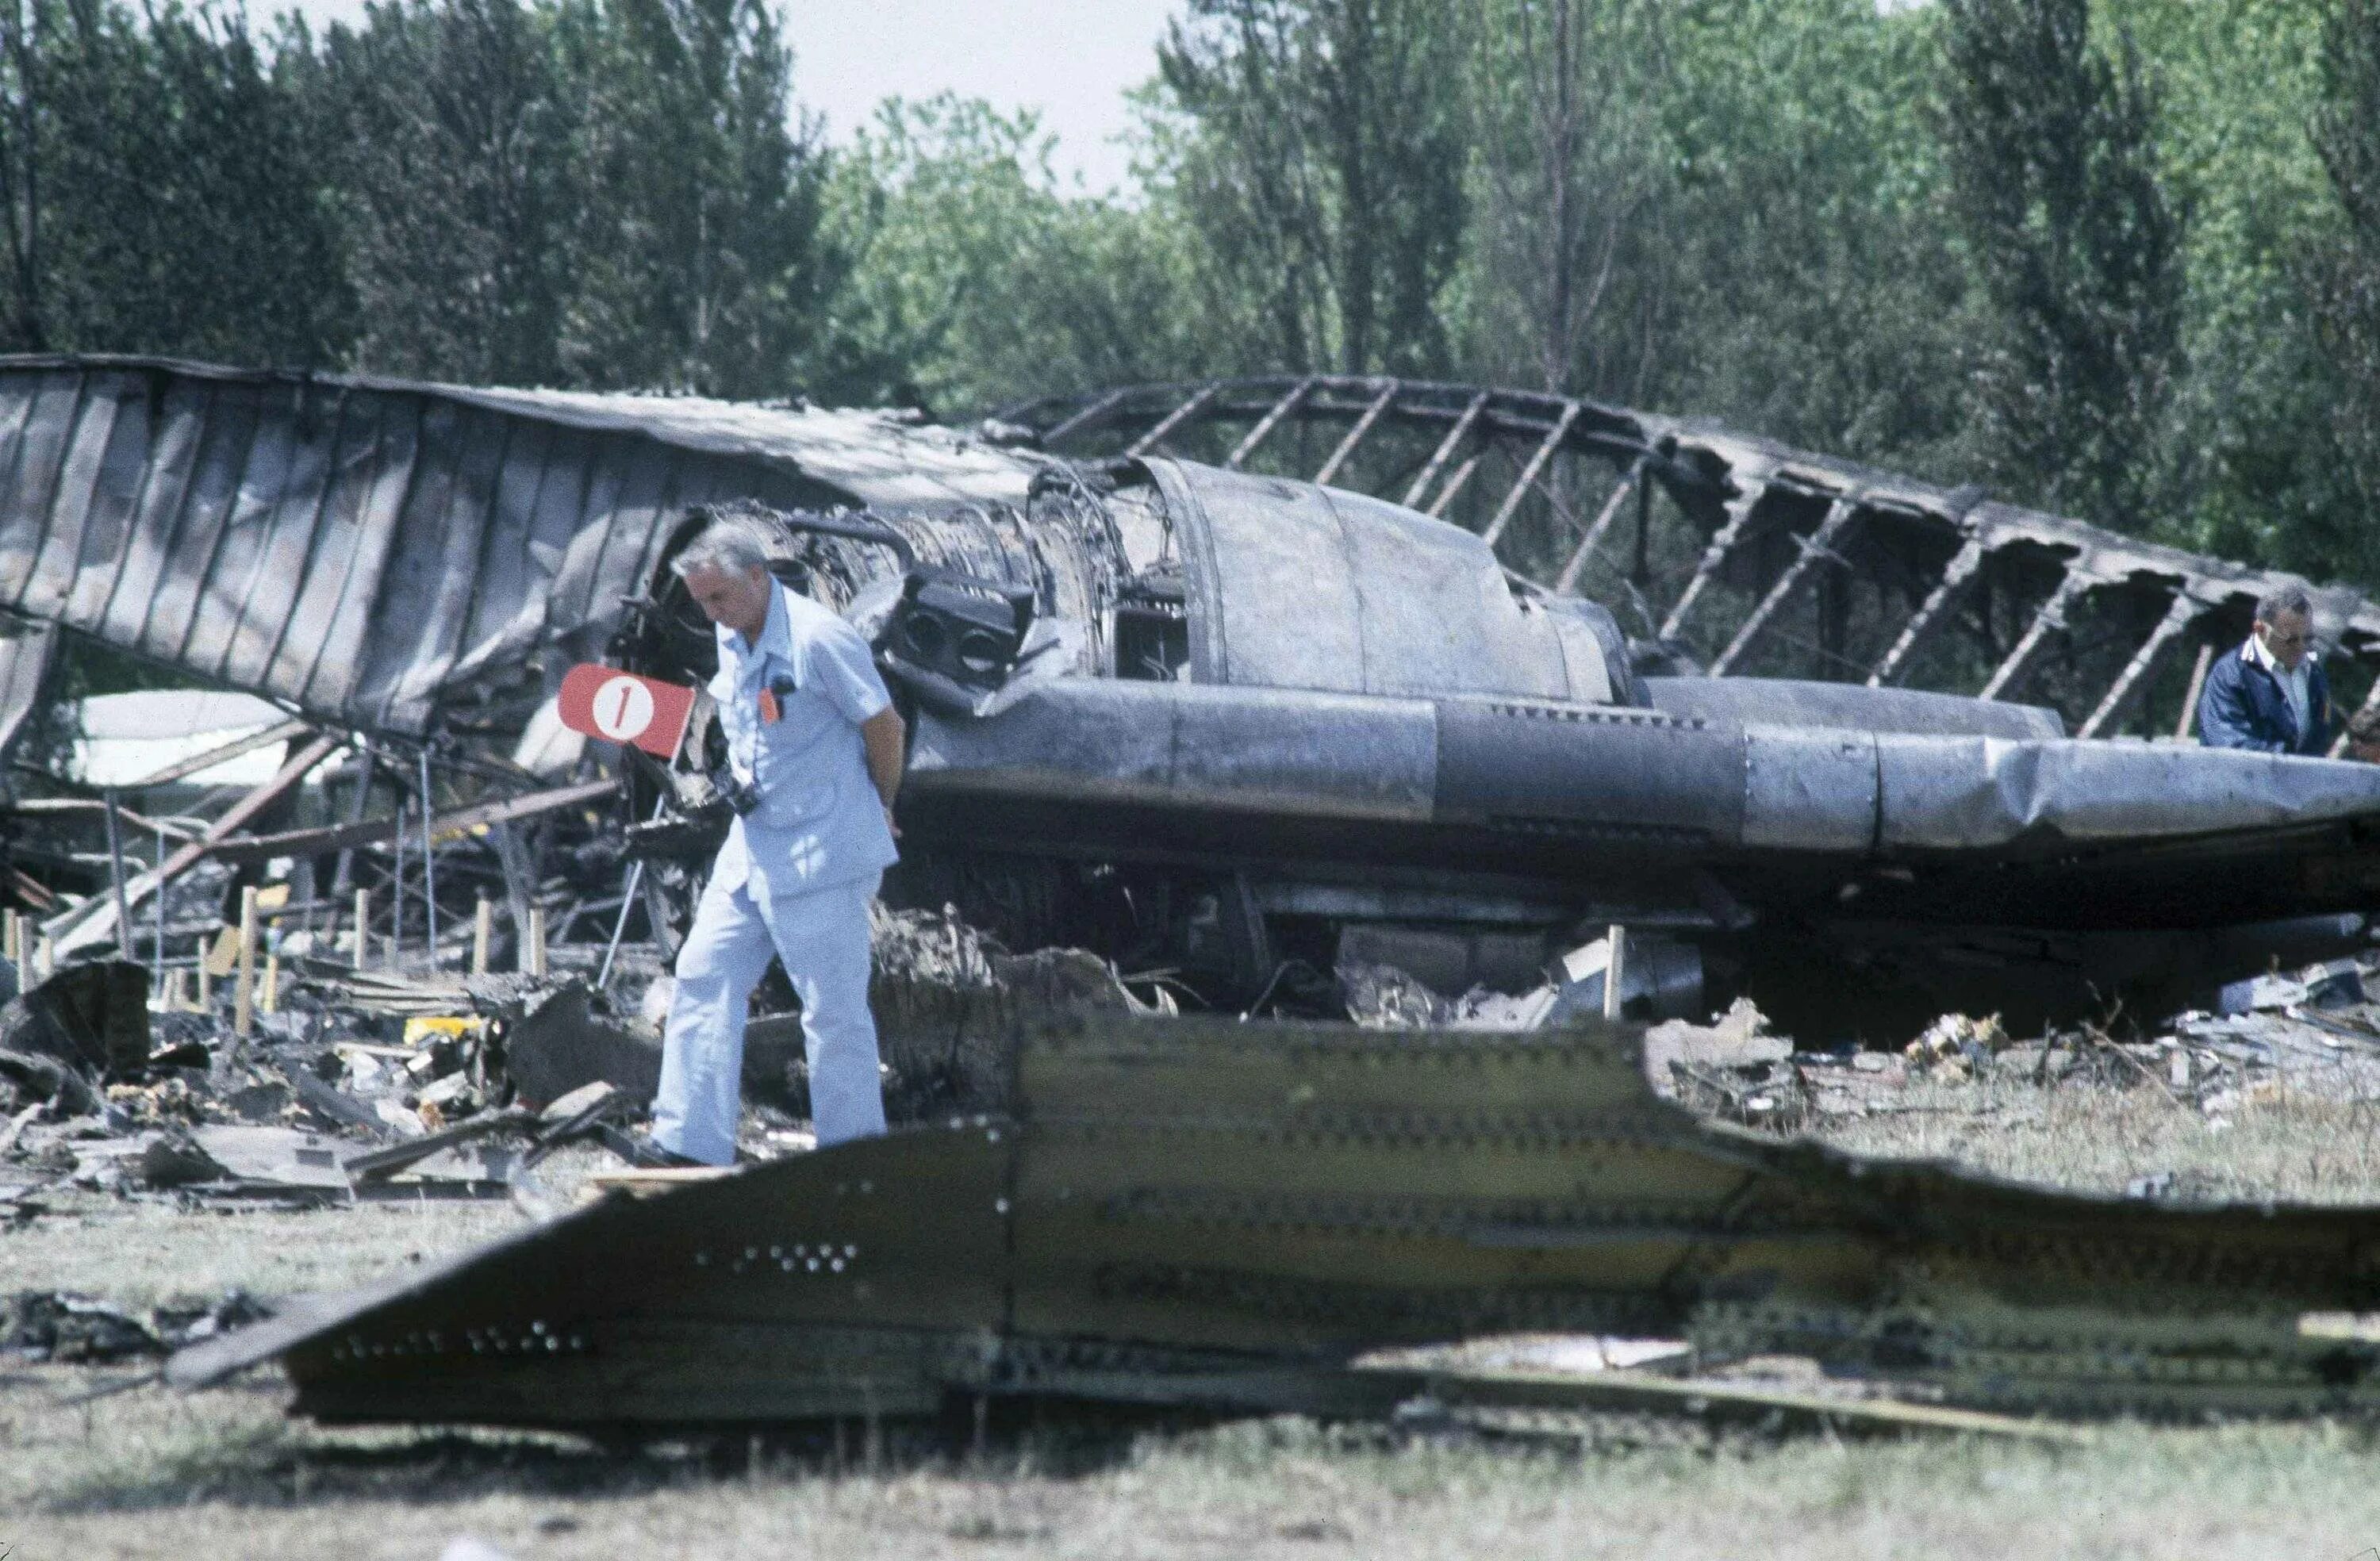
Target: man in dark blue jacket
(2269,694)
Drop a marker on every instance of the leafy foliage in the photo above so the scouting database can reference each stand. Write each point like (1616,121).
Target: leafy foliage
(2051,144)
(1323,173)
(2347,281)
(2117,257)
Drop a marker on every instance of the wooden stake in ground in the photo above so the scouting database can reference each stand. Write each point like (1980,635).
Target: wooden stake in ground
(10,949)
(483,926)
(1615,971)
(269,1000)
(206,981)
(363,928)
(535,954)
(243,992)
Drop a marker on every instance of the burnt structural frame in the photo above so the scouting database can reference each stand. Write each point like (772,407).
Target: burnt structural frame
(1775,522)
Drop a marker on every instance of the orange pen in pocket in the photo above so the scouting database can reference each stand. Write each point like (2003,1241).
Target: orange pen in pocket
(770,708)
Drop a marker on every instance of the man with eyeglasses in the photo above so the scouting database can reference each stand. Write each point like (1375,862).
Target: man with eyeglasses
(2270,695)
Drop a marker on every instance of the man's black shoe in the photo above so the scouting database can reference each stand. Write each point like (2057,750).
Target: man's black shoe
(640,1150)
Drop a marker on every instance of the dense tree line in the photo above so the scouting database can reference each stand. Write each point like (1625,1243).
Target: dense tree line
(2117,257)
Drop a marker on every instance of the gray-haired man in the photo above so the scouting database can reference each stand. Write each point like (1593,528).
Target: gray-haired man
(813,737)
(2270,695)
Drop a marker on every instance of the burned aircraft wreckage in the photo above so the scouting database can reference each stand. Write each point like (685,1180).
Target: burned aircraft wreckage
(1239,727)
(1234,725)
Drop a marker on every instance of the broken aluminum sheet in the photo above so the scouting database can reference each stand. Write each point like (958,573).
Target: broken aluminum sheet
(371,551)
(1185,1212)
(25,651)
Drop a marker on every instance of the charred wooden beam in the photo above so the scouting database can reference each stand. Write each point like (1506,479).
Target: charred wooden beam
(1527,480)
(1174,419)
(1456,483)
(2180,614)
(1270,421)
(371,831)
(1593,537)
(1355,435)
(2051,615)
(1445,450)
(223,753)
(1955,576)
(77,927)
(1722,543)
(1818,545)
(1091,416)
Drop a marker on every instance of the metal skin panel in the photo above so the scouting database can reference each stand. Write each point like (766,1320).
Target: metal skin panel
(50,418)
(112,503)
(320,661)
(188,543)
(1624,771)
(1298,586)
(1966,793)
(371,550)
(231,562)
(905,1235)
(181,433)
(1809,789)
(83,448)
(284,542)
(1849,706)
(1180,1204)
(1315,755)
(25,652)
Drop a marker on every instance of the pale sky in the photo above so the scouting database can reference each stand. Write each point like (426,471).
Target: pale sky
(1072,59)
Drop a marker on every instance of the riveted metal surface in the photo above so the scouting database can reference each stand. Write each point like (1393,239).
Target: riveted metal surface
(1809,788)
(1514,761)
(1229,1205)
(1307,754)
(1299,586)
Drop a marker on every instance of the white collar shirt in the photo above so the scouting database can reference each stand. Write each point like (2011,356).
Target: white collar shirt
(2293,680)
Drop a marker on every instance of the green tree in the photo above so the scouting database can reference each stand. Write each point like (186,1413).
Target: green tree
(976,280)
(449,131)
(2347,129)
(1572,173)
(1804,282)
(2052,146)
(157,192)
(697,256)
(1321,164)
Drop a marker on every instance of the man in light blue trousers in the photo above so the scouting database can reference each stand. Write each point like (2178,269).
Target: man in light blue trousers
(816,746)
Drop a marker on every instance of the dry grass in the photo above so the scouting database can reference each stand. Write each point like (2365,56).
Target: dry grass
(149,1474)
(2280,1145)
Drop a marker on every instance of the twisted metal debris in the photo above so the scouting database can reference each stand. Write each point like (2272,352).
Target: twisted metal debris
(1207,1212)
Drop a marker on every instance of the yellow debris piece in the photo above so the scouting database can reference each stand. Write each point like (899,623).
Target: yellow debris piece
(419,1032)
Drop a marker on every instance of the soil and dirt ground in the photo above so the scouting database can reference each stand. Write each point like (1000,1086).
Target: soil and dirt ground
(89,1472)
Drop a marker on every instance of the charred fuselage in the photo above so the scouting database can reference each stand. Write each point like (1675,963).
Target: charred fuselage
(1243,731)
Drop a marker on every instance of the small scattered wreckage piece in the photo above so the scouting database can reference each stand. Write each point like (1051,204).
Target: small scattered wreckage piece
(376,1165)
(1176,1209)
(1717,1400)
(72,1330)
(93,1017)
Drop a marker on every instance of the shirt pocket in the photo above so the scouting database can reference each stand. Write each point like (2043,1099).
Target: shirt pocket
(794,762)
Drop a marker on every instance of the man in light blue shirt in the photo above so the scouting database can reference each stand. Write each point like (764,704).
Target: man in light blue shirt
(816,746)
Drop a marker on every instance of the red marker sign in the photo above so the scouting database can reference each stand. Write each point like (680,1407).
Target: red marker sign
(622,707)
